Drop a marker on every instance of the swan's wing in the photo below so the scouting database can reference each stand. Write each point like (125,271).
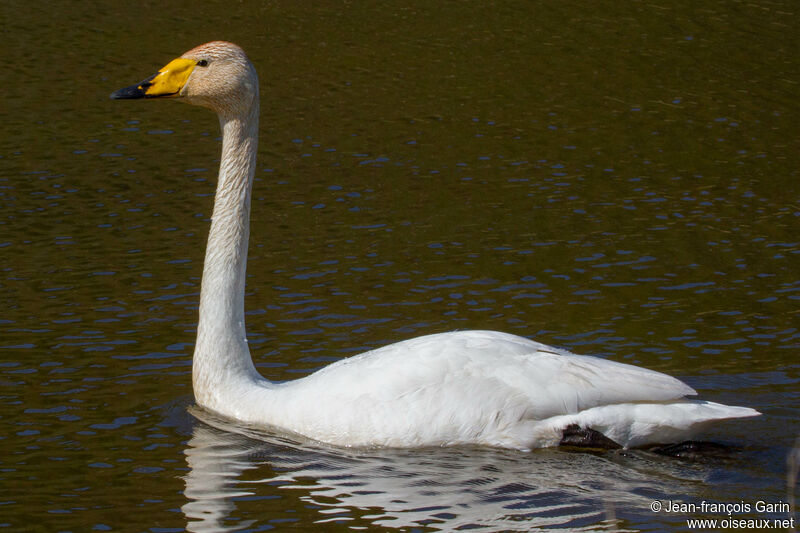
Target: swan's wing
(557,381)
(468,364)
(568,383)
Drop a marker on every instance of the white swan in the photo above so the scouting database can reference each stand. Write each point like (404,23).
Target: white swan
(477,387)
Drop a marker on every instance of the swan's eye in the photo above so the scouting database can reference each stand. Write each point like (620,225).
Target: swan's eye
(202,63)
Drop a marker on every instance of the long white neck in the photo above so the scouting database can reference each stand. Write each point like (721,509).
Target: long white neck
(221,356)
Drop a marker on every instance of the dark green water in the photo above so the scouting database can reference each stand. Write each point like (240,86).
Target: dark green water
(620,179)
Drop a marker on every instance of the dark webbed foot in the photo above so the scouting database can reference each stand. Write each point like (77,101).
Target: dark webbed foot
(578,437)
(692,449)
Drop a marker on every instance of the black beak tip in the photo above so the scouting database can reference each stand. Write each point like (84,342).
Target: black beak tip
(134,91)
(128,93)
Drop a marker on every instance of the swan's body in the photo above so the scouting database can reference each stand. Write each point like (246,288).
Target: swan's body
(477,387)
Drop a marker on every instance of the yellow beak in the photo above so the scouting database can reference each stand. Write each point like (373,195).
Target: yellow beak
(167,82)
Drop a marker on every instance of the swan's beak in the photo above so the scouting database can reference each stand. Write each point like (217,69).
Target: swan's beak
(167,82)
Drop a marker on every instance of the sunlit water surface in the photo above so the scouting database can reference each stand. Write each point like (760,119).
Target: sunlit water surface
(616,179)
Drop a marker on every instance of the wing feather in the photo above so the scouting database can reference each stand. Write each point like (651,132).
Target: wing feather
(554,381)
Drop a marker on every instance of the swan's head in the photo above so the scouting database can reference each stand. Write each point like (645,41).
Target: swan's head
(216,75)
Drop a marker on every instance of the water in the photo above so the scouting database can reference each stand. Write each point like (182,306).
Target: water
(619,180)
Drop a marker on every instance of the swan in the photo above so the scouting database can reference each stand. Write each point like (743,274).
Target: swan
(454,388)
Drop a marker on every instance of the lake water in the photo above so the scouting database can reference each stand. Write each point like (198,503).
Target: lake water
(619,179)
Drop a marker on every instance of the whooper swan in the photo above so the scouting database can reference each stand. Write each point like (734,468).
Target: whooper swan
(464,387)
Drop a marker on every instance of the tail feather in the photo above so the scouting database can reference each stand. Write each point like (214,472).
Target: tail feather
(641,424)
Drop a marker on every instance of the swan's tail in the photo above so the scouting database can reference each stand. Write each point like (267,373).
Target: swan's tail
(641,424)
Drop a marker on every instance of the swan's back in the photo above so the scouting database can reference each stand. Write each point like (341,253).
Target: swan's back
(554,381)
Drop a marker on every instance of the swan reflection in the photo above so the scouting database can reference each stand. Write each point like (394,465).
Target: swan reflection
(441,488)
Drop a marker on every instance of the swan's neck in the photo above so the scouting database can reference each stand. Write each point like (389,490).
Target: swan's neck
(221,357)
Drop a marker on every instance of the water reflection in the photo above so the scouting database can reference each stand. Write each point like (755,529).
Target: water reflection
(447,489)
(215,464)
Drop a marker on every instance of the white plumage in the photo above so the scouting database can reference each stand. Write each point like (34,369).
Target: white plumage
(476,387)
